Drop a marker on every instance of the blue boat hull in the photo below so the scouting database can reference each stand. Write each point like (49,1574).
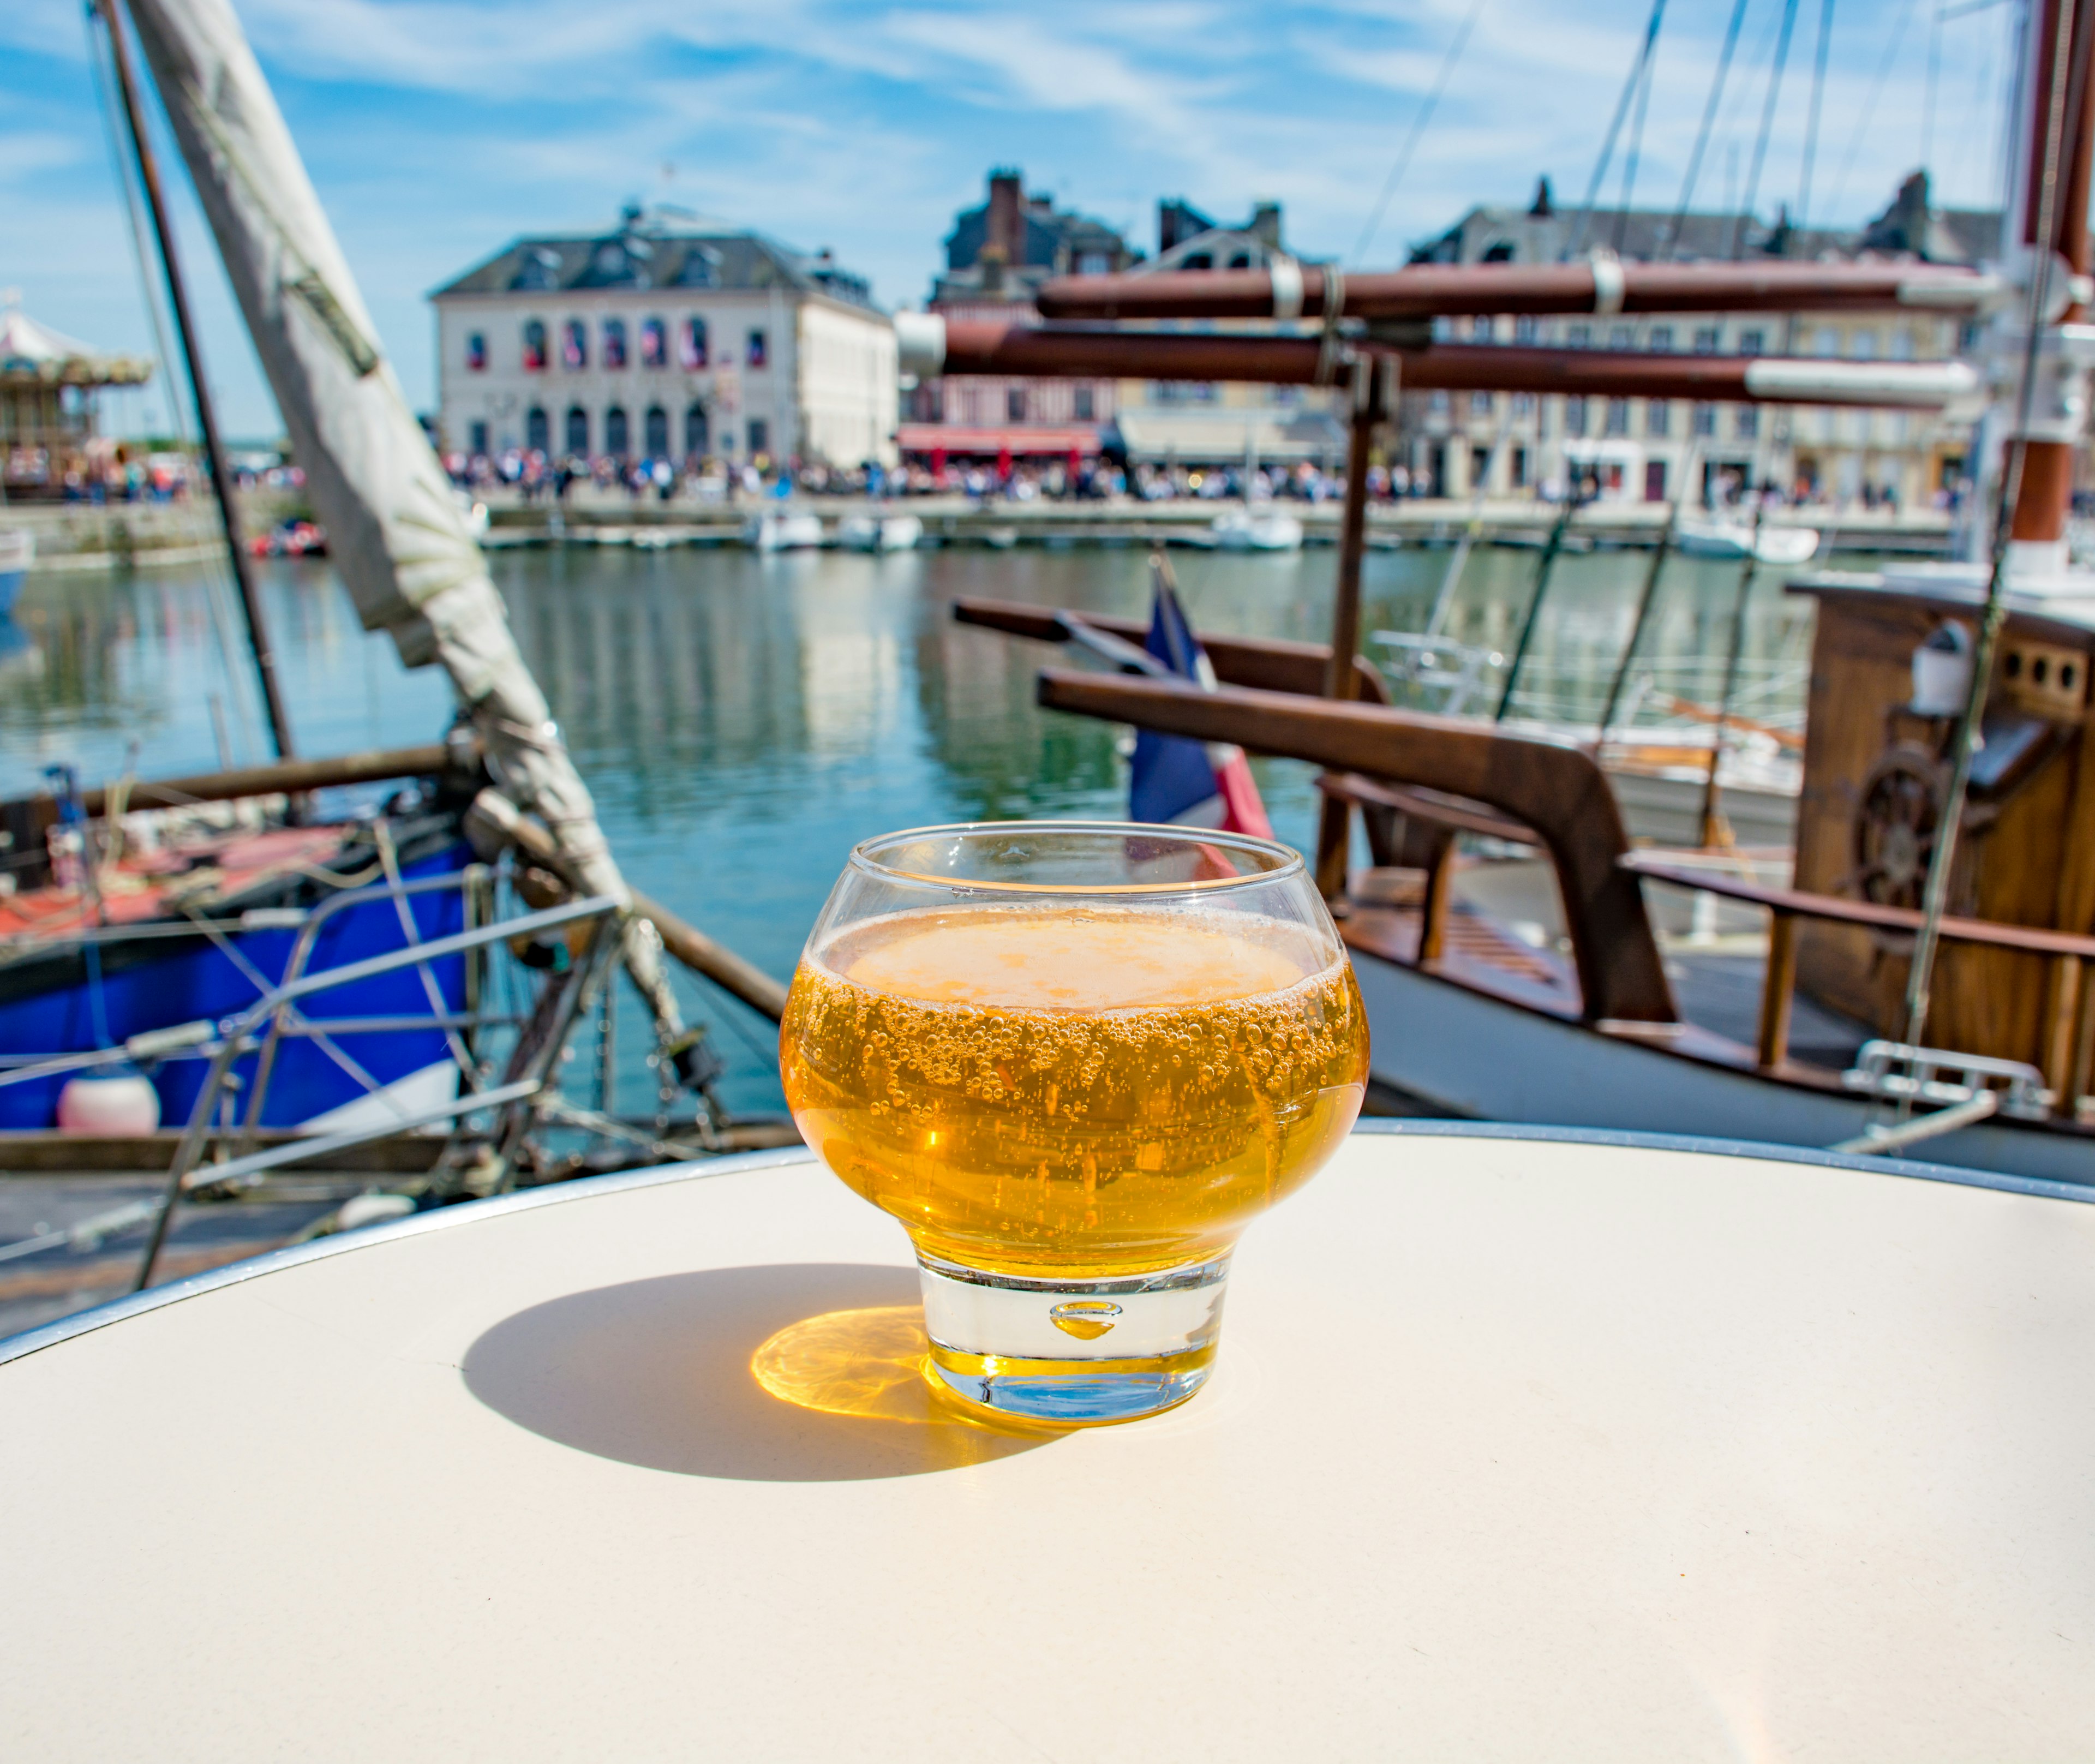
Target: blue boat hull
(200,980)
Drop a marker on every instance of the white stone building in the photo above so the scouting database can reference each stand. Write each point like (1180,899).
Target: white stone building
(661,341)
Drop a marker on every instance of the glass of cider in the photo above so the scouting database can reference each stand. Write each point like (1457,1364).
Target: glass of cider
(1074,1059)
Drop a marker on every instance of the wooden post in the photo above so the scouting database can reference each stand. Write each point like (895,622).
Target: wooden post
(1778,990)
(1335,824)
(2061,1030)
(1440,898)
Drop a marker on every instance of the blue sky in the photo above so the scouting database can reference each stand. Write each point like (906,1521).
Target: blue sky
(436,130)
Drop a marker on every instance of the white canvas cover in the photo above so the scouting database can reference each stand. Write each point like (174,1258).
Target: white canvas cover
(396,531)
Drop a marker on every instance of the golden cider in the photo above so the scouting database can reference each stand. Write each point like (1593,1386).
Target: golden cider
(1037,1089)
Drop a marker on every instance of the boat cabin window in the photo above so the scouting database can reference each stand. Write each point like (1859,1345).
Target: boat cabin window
(760,348)
(534,345)
(693,350)
(574,344)
(654,343)
(658,433)
(475,351)
(577,429)
(617,441)
(614,342)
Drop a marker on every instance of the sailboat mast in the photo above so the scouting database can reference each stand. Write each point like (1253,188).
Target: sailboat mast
(2045,493)
(221,480)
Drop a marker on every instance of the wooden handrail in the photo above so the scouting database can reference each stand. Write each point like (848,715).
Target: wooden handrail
(2029,938)
(1267,663)
(1557,790)
(1432,806)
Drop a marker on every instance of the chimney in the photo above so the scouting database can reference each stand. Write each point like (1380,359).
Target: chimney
(1541,208)
(1007,216)
(1265,224)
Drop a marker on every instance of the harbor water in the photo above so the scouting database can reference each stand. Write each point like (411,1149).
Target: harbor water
(744,720)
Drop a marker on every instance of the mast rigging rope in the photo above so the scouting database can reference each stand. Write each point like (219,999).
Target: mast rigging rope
(1767,128)
(1455,48)
(1615,126)
(1671,242)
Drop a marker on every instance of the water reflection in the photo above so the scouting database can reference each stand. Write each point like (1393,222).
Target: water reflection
(744,720)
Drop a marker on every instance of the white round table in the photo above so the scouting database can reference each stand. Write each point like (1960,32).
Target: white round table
(1516,1449)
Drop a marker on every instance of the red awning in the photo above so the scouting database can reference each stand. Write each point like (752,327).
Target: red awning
(950,438)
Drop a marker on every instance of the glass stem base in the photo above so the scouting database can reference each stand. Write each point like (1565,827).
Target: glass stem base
(1071,1350)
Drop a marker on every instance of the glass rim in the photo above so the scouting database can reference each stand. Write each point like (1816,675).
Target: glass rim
(1289,867)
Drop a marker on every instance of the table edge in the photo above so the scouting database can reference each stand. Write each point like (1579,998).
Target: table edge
(234,1273)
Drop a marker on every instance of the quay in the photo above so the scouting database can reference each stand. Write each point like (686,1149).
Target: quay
(78,536)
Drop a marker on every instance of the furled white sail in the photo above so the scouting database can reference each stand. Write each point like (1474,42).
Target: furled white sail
(396,533)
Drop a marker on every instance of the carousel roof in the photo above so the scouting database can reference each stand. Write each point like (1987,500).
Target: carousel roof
(33,352)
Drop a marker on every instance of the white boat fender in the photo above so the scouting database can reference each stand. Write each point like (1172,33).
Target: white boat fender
(372,1210)
(121,1105)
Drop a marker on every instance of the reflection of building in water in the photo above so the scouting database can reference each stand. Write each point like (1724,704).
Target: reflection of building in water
(48,388)
(1639,447)
(663,340)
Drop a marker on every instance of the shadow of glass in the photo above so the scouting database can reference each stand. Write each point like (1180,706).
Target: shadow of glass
(790,1372)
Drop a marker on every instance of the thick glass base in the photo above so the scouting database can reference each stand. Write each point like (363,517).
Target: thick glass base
(1071,1351)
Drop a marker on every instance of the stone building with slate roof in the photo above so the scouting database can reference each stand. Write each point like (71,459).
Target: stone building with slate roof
(662,338)
(1641,448)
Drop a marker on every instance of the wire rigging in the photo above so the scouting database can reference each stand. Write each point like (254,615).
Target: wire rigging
(1615,126)
(1869,106)
(1767,128)
(1811,121)
(1629,159)
(1672,240)
(1455,45)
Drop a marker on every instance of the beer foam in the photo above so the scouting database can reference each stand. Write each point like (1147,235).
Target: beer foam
(1033,959)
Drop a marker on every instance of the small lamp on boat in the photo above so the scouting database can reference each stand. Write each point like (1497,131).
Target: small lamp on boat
(1942,672)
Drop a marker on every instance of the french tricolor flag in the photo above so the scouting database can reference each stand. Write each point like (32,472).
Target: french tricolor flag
(1175,779)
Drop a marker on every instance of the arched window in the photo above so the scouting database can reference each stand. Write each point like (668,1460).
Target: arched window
(654,343)
(534,345)
(577,429)
(693,353)
(1500,253)
(574,344)
(614,342)
(658,433)
(537,429)
(616,441)
(475,351)
(697,436)
(1240,260)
